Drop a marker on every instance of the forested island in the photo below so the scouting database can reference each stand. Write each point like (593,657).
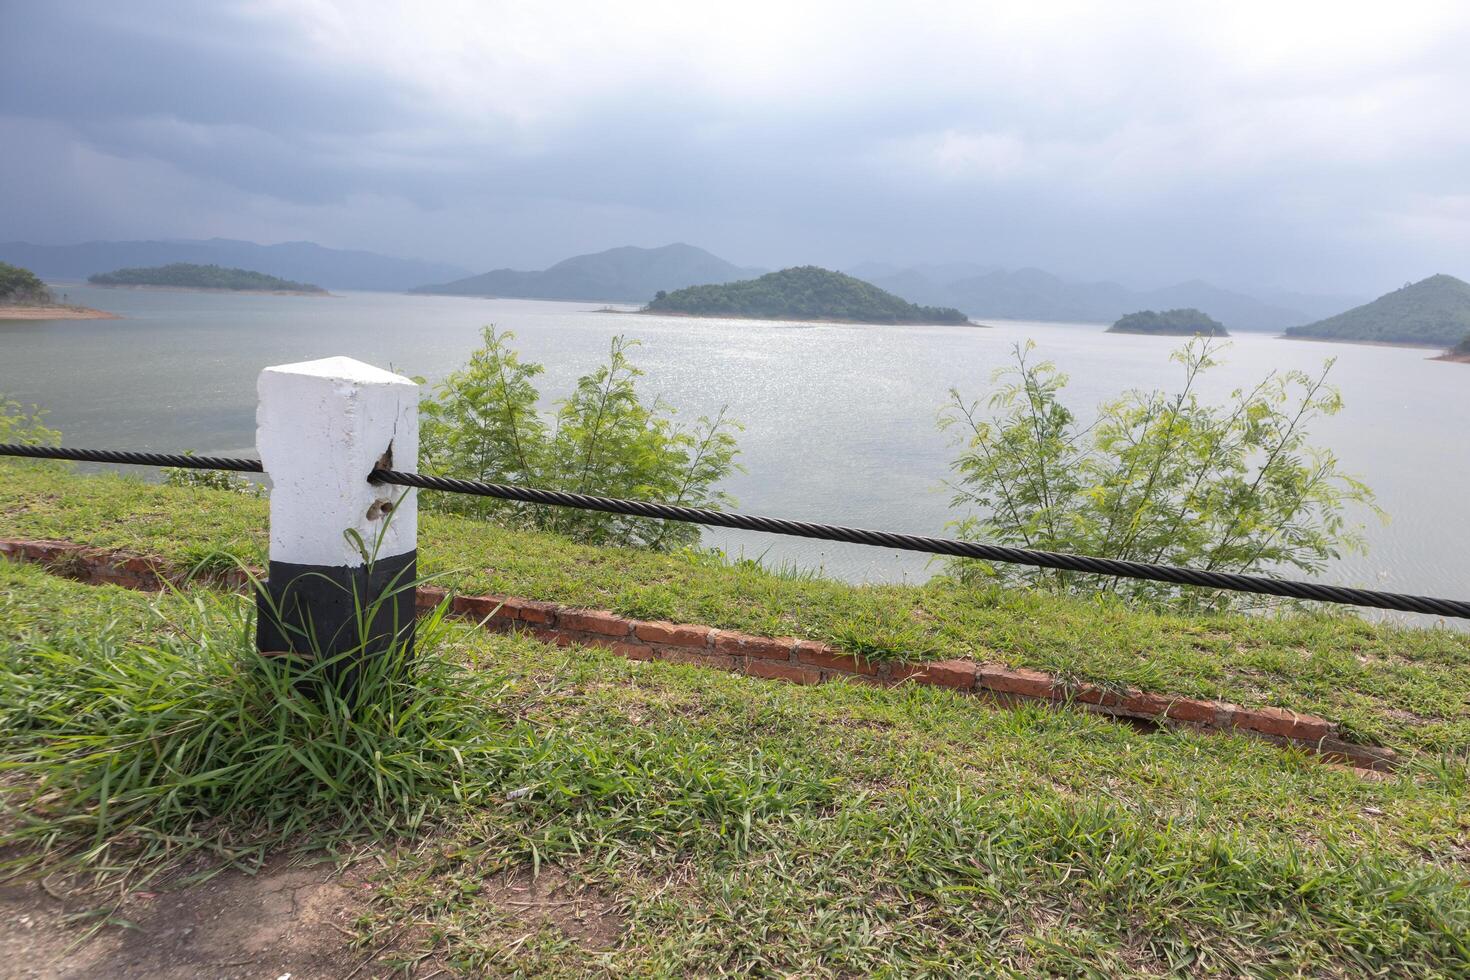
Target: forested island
(23,296)
(185,275)
(801,293)
(1173,323)
(1430,312)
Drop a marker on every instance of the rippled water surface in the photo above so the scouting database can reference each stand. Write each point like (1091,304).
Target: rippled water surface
(839,420)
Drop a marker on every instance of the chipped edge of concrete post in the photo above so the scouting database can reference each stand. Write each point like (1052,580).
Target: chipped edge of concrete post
(321,427)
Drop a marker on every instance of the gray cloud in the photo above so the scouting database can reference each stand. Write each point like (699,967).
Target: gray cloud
(1315,147)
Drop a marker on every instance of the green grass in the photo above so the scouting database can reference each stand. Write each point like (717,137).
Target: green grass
(1408,688)
(734,827)
(127,736)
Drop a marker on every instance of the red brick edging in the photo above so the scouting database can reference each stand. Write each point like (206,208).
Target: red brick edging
(777,658)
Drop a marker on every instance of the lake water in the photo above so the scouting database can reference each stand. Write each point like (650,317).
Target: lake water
(839,420)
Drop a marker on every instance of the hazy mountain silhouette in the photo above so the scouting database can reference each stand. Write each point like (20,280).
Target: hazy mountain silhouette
(301,261)
(628,273)
(632,274)
(1033,294)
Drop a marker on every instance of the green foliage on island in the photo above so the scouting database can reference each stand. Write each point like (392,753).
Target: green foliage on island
(1462,349)
(1177,323)
(1431,311)
(188,276)
(19,285)
(802,293)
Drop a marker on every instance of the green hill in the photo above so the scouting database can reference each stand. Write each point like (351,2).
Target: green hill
(802,293)
(185,275)
(1432,311)
(1175,323)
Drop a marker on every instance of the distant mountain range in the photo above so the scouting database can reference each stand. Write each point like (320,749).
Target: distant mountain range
(301,261)
(1032,294)
(627,274)
(634,275)
(1433,311)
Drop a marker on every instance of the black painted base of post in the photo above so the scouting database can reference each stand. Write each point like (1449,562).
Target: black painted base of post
(338,614)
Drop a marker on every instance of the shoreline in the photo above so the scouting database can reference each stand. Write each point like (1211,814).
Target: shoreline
(1453,358)
(210,289)
(790,319)
(32,311)
(1167,333)
(1401,344)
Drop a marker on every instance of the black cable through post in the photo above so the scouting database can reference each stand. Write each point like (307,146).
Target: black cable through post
(1170,574)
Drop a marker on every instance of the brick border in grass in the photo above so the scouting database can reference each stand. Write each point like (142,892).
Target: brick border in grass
(774,658)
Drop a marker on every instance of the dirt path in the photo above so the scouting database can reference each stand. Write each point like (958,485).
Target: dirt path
(282,920)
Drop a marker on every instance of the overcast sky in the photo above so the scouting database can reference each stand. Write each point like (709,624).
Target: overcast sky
(1313,146)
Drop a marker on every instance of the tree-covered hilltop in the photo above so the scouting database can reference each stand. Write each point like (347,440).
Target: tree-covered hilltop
(19,285)
(1180,323)
(802,293)
(1431,311)
(185,275)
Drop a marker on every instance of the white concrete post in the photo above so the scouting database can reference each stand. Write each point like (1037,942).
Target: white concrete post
(321,428)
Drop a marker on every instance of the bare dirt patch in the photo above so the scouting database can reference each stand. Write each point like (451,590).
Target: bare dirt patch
(282,920)
(584,915)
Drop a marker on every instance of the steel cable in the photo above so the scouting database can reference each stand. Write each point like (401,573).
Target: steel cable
(134,458)
(1229,581)
(1172,574)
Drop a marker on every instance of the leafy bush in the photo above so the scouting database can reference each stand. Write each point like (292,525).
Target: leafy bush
(484,424)
(19,285)
(22,426)
(178,476)
(1157,478)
